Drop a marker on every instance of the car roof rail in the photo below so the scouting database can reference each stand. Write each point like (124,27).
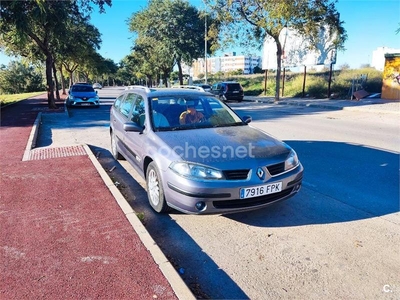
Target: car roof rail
(141,87)
(189,87)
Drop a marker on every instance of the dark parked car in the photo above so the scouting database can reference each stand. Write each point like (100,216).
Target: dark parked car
(228,90)
(82,94)
(197,155)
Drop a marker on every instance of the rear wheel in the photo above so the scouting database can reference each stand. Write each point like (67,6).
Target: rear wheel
(114,147)
(155,191)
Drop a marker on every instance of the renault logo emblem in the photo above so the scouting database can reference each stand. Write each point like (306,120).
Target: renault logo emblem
(260,173)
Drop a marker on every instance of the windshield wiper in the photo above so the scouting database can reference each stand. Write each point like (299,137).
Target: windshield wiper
(228,124)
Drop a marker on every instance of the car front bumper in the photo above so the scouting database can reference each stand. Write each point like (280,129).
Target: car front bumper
(223,196)
(80,102)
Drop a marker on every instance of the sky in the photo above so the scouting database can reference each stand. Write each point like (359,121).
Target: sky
(369,24)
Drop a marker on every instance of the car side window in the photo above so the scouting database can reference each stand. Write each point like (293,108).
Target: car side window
(127,104)
(118,101)
(138,114)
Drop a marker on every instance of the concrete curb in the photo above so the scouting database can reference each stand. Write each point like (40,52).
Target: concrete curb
(180,288)
(364,108)
(32,137)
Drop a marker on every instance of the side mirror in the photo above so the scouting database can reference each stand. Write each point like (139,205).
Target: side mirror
(247,119)
(132,127)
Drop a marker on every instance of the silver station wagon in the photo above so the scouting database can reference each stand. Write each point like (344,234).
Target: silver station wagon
(197,155)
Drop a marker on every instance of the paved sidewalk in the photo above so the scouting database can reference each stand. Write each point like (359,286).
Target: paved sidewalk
(374,105)
(66,231)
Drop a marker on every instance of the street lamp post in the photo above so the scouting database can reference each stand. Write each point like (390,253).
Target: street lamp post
(205,47)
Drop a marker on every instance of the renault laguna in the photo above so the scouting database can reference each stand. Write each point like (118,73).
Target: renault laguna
(197,155)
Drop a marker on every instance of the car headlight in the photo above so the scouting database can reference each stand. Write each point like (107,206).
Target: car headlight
(71,97)
(291,161)
(195,171)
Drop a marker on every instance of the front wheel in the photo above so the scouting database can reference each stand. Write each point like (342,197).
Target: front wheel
(114,147)
(155,191)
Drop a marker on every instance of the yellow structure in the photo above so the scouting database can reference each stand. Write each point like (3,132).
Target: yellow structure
(391,77)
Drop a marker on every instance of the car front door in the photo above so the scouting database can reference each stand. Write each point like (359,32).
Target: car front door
(121,112)
(134,140)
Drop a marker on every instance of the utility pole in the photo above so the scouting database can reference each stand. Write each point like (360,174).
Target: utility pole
(205,47)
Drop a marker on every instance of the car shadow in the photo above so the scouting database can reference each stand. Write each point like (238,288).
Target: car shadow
(201,274)
(342,182)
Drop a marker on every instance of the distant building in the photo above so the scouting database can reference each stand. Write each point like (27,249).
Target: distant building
(226,63)
(296,49)
(378,57)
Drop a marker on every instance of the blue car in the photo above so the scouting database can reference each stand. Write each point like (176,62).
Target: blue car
(82,95)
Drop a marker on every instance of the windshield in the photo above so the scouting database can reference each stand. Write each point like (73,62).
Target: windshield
(82,88)
(187,112)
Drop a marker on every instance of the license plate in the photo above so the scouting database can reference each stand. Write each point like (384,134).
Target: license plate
(235,91)
(260,190)
(85,104)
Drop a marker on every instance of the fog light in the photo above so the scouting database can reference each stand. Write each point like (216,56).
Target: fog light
(200,205)
(297,188)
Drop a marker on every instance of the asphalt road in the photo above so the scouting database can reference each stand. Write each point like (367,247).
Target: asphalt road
(337,239)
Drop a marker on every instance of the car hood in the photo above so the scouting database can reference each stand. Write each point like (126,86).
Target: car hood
(84,94)
(221,144)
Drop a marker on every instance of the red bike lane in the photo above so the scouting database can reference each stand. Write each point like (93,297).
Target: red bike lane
(63,235)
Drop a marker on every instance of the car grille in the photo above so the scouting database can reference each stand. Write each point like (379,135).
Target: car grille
(242,203)
(276,169)
(236,174)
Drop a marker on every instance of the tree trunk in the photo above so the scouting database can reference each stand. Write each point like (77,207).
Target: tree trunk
(278,68)
(165,78)
(62,80)
(49,82)
(56,82)
(180,74)
(71,81)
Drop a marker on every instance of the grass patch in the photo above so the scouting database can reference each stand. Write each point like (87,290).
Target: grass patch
(316,83)
(8,99)
(141,217)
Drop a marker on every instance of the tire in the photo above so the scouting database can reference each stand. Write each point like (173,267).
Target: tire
(114,148)
(155,191)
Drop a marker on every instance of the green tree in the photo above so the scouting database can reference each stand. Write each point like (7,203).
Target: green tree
(18,77)
(156,59)
(126,73)
(180,30)
(257,70)
(78,48)
(255,20)
(40,22)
